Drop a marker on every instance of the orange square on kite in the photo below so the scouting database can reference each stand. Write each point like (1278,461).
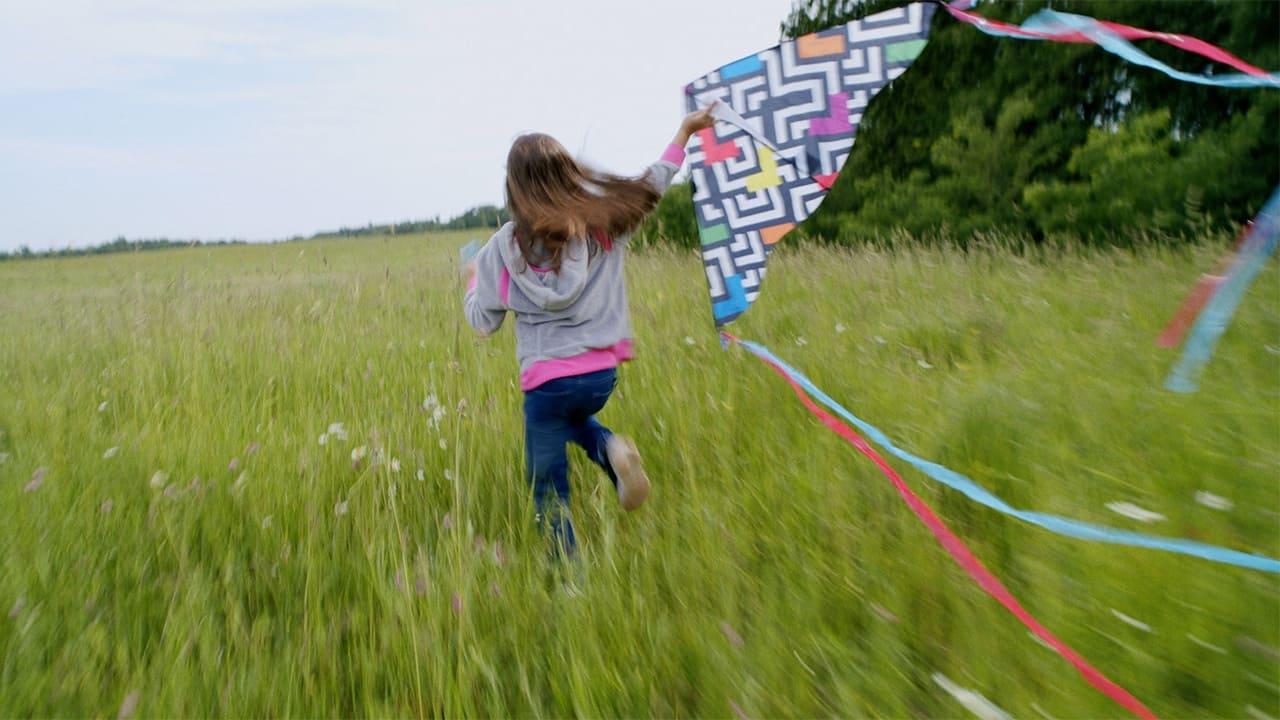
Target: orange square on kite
(812,46)
(771,235)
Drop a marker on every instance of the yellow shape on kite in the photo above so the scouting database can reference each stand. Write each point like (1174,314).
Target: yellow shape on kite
(768,176)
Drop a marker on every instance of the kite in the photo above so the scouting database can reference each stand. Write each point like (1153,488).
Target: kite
(791,113)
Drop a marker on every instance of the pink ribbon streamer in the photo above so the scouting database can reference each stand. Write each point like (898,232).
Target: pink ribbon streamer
(1195,45)
(965,557)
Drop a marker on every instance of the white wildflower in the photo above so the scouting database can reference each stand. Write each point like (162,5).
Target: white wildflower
(420,475)
(102,406)
(1217,502)
(337,430)
(266,522)
(840,328)
(238,485)
(879,340)
(392,491)
(1132,621)
(158,479)
(395,465)
(443,444)
(971,700)
(110,453)
(1133,512)
(448,474)
(924,364)
(801,341)
(324,439)
(340,508)
(358,453)
(688,340)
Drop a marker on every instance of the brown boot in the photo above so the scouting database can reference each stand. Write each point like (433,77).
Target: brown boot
(633,484)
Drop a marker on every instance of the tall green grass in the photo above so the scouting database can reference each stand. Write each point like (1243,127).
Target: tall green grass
(222,561)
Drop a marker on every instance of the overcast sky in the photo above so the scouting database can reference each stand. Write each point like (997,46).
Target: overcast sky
(262,119)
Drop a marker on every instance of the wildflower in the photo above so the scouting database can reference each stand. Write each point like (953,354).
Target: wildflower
(238,485)
(688,340)
(1209,500)
(323,439)
(731,635)
(266,522)
(337,430)
(456,602)
(447,522)
(924,364)
(340,508)
(102,406)
(499,556)
(37,479)
(106,506)
(801,341)
(420,475)
(171,491)
(128,707)
(395,465)
(358,453)
(443,445)
(1132,621)
(158,479)
(840,328)
(879,340)
(111,452)
(1133,512)
(253,448)
(233,465)
(392,491)
(448,474)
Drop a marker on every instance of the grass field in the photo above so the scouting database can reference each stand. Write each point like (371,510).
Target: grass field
(177,539)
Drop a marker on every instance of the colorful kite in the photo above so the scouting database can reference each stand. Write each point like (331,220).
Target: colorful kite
(791,114)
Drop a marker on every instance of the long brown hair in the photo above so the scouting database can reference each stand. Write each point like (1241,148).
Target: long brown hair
(552,198)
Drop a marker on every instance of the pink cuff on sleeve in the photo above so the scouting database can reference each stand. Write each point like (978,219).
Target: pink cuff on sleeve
(674,154)
(471,284)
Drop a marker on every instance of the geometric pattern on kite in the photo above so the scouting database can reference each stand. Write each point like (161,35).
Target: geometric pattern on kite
(798,106)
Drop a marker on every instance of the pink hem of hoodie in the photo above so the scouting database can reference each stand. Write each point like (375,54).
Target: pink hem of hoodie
(544,371)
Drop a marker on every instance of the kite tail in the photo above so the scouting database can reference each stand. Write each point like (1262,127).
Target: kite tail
(1114,38)
(1258,245)
(961,553)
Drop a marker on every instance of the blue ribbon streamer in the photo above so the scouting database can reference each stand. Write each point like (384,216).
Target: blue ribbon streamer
(1052,523)
(1053,22)
(1217,313)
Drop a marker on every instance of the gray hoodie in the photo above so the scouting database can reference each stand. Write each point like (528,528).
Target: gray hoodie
(579,308)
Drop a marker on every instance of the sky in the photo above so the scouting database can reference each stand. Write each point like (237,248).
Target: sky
(265,119)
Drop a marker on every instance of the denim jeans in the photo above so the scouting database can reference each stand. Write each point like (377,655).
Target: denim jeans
(556,413)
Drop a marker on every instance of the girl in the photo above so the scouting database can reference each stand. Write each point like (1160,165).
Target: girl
(558,267)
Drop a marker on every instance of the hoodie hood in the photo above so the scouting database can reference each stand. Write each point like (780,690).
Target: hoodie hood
(548,290)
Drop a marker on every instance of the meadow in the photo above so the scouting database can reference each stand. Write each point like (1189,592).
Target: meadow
(286,480)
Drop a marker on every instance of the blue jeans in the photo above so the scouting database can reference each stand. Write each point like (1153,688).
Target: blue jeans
(556,413)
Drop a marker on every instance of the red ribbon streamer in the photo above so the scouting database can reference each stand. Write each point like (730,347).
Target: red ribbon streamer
(964,557)
(1128,32)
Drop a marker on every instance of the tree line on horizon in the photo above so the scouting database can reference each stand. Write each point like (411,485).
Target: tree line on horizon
(989,136)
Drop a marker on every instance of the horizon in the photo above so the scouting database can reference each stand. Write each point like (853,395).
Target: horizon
(264,120)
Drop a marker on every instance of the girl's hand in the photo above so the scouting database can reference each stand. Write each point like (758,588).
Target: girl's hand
(692,123)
